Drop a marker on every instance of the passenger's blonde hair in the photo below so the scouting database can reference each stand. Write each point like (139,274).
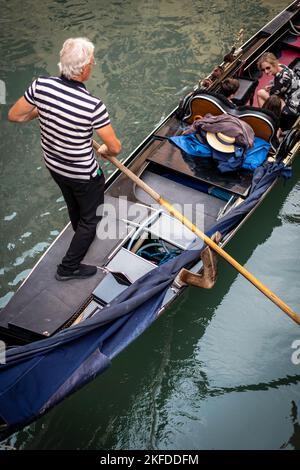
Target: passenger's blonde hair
(267,57)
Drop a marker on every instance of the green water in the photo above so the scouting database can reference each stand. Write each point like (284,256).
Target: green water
(215,371)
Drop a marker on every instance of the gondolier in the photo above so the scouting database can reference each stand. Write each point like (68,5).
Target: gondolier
(68,114)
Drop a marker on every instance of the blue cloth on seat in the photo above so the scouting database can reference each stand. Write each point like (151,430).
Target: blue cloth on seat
(191,145)
(249,160)
(229,161)
(256,155)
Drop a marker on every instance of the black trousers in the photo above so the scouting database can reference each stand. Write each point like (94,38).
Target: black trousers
(82,199)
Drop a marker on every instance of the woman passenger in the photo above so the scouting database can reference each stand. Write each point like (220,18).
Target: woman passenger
(285,84)
(273,104)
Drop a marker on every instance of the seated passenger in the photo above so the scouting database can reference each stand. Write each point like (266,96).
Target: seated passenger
(273,104)
(229,87)
(285,84)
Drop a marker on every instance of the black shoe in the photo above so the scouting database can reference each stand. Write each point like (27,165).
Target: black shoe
(82,272)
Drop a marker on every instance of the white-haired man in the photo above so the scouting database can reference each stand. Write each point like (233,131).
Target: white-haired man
(68,114)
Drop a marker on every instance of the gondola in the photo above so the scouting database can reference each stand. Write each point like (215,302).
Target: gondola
(62,335)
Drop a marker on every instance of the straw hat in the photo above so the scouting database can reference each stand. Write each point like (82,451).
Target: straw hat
(221,142)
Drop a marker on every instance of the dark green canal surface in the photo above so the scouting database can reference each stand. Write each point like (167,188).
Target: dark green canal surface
(216,370)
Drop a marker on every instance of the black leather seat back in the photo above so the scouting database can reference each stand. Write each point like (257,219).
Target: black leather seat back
(203,103)
(263,122)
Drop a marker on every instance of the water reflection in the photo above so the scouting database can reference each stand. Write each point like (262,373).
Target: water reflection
(294,440)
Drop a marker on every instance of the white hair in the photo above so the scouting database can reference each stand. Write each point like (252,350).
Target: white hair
(75,54)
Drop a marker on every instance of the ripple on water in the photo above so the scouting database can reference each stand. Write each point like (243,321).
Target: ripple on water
(10,217)
(26,235)
(4,270)
(290,212)
(20,277)
(5,299)
(36,249)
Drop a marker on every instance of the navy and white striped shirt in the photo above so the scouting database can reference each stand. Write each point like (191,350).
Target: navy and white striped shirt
(68,113)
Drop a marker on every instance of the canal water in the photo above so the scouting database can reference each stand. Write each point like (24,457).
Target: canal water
(216,371)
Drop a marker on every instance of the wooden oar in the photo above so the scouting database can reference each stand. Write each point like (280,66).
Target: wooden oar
(267,292)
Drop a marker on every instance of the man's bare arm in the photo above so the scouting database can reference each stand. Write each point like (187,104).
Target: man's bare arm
(111,145)
(22,111)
